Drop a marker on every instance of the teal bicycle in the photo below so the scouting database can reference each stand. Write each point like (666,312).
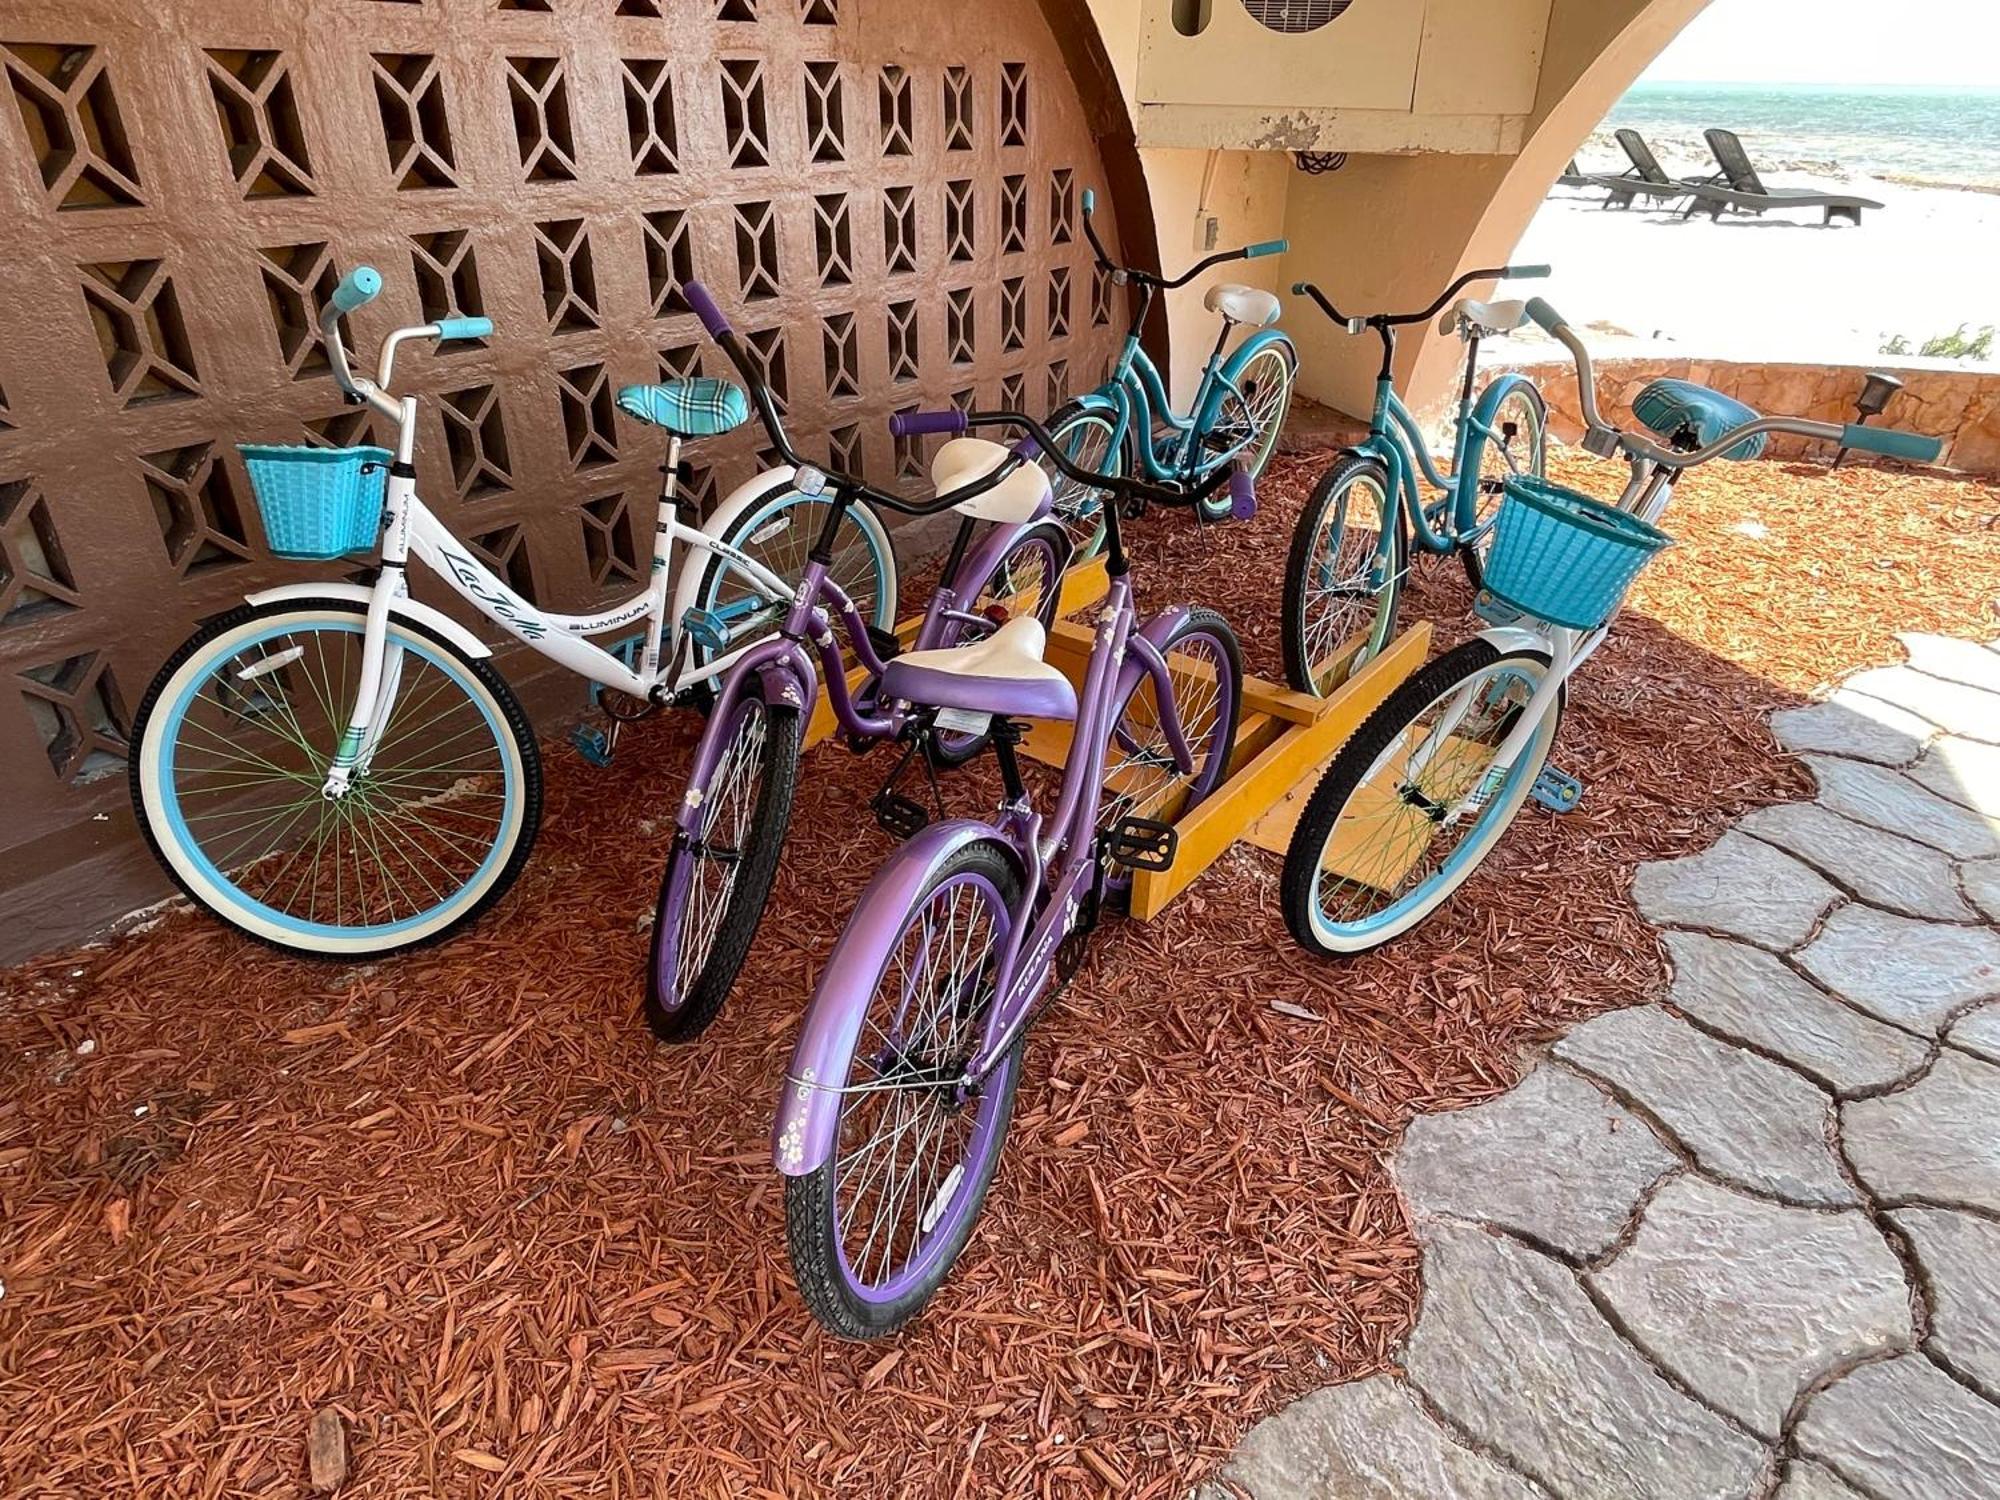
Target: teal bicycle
(1128,427)
(1352,545)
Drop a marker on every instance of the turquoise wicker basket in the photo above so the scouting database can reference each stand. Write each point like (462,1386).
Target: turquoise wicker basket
(1564,557)
(318,503)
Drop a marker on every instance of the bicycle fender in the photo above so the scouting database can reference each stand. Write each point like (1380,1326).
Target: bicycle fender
(407,608)
(783,673)
(809,1111)
(1506,638)
(1097,401)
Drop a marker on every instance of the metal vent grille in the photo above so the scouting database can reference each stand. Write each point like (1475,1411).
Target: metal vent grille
(1294,17)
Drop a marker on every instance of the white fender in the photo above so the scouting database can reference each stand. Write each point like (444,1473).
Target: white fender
(1507,638)
(409,609)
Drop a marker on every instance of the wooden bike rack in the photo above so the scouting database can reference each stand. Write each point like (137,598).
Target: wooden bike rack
(1283,743)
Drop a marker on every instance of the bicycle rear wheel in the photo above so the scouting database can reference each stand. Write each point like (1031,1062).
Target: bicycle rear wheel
(1344,577)
(1142,778)
(1266,385)
(1085,436)
(875,1231)
(1026,581)
(232,748)
(1519,446)
(719,874)
(1386,836)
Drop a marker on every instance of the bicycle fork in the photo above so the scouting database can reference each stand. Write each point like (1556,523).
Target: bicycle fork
(381,663)
(1563,659)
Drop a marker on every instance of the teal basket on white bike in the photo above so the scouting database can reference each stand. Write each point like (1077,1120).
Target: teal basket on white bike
(318,503)
(1564,557)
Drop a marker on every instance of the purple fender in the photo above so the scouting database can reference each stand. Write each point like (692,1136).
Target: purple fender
(784,670)
(808,1115)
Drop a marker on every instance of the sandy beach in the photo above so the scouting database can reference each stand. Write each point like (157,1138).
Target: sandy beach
(1777,288)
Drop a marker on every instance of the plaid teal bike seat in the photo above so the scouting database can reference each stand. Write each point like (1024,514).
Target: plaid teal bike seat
(698,407)
(1676,407)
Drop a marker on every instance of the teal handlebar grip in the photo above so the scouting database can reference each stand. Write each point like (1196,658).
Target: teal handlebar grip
(1089,200)
(1267,247)
(1890,443)
(1546,318)
(464,328)
(358,286)
(1529,273)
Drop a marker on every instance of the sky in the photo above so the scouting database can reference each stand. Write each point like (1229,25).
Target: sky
(1938,42)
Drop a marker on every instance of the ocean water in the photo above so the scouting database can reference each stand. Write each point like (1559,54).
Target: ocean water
(1950,137)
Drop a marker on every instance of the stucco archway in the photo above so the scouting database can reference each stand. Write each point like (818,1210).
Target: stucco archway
(1389,231)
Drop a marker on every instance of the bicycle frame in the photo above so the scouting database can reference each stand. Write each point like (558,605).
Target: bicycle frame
(790,673)
(1058,861)
(410,525)
(1136,393)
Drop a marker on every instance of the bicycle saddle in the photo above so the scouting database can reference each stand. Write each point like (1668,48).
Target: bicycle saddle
(1242,304)
(698,407)
(1022,496)
(1003,674)
(1487,317)
(1683,410)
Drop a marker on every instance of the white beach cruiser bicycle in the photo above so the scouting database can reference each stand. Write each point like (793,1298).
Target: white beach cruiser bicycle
(337,769)
(1421,793)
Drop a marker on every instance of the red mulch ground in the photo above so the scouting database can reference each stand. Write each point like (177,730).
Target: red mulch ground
(464,1201)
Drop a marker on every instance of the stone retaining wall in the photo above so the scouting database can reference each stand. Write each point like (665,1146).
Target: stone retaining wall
(1959,405)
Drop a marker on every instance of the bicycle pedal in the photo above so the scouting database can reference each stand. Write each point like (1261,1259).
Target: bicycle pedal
(888,645)
(594,745)
(899,815)
(1143,844)
(1557,791)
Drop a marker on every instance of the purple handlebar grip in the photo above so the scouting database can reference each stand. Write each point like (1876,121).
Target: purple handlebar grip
(1242,494)
(1028,449)
(919,423)
(705,309)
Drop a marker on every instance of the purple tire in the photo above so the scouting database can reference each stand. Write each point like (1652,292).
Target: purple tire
(719,876)
(872,1236)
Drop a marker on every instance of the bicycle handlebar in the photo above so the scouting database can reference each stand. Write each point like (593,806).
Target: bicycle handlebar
(1889,441)
(1403,320)
(1147,278)
(1038,442)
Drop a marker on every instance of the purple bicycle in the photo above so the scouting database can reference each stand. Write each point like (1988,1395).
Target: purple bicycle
(900,1090)
(732,820)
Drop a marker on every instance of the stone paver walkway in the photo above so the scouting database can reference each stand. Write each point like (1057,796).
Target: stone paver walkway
(1743,1242)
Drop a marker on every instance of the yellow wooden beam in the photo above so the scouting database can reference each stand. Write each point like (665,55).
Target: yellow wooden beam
(1254,788)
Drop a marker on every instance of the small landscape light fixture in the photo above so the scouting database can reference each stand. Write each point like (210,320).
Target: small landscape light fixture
(1876,393)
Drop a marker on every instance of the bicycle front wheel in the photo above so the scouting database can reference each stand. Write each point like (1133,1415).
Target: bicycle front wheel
(1142,776)
(1390,832)
(874,1232)
(1344,577)
(1519,445)
(1086,436)
(234,741)
(719,873)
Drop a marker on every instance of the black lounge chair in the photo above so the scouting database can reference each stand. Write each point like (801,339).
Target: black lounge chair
(1573,176)
(1738,186)
(1645,178)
